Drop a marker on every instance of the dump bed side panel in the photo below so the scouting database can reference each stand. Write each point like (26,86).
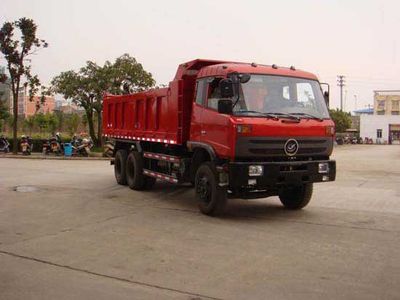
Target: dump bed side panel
(149,116)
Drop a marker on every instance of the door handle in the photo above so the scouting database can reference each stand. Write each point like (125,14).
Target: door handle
(203,132)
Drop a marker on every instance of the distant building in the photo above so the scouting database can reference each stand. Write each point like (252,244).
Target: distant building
(386,102)
(383,126)
(58,104)
(364,111)
(69,108)
(27,107)
(355,123)
(35,106)
(381,129)
(5,89)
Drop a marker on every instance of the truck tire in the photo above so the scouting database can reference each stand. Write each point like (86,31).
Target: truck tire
(120,166)
(210,196)
(296,197)
(134,173)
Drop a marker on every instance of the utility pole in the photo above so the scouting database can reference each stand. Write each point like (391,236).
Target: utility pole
(341,84)
(355,102)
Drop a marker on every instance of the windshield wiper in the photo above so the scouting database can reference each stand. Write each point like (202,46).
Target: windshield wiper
(248,111)
(310,116)
(284,115)
(268,115)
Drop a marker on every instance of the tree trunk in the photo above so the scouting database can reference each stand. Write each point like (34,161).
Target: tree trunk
(15,122)
(99,129)
(89,115)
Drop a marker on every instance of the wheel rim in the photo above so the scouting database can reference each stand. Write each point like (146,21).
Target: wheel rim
(130,168)
(118,166)
(204,189)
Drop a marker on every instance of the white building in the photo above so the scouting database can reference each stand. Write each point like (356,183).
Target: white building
(380,128)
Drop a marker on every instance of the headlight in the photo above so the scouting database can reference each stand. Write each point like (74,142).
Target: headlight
(323,168)
(256,170)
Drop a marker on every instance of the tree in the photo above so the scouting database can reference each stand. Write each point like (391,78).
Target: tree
(41,121)
(16,52)
(72,123)
(59,115)
(342,119)
(84,122)
(52,122)
(4,115)
(86,87)
(29,123)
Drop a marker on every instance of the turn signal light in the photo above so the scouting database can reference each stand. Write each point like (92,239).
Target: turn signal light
(244,128)
(330,130)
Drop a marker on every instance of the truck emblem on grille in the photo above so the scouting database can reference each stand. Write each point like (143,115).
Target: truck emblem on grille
(291,147)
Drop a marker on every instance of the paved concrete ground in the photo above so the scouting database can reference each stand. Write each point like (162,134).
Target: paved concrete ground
(81,236)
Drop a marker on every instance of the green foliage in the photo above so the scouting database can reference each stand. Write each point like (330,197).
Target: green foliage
(84,121)
(40,121)
(87,86)
(72,123)
(52,122)
(29,124)
(4,115)
(16,51)
(342,119)
(60,119)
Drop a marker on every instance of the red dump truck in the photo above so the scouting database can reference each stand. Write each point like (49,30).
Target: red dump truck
(233,130)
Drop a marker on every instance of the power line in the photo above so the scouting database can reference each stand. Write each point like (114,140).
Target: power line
(341,84)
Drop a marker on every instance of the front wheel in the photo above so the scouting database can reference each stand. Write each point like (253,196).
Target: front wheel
(210,196)
(296,197)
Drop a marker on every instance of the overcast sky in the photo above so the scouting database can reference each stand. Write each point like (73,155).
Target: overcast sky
(356,38)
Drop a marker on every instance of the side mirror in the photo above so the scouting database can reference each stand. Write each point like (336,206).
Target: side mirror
(226,87)
(326,97)
(225,106)
(244,78)
(325,89)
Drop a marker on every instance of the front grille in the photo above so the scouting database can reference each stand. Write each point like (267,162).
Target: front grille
(270,147)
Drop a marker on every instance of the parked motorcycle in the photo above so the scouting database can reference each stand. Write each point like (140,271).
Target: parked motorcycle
(4,144)
(339,140)
(26,145)
(81,147)
(53,145)
(76,141)
(108,149)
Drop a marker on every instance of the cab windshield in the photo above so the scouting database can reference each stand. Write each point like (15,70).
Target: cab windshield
(266,94)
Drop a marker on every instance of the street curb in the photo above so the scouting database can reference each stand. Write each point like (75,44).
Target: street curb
(20,156)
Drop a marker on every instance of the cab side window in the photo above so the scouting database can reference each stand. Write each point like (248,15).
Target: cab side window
(214,93)
(201,91)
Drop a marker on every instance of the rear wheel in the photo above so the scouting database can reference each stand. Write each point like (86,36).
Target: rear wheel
(120,166)
(296,197)
(210,196)
(134,173)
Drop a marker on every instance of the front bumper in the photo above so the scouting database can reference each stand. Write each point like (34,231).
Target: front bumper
(277,174)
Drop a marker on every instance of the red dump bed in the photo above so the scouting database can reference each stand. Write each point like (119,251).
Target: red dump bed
(149,116)
(158,115)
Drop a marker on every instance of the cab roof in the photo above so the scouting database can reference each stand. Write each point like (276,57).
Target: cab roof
(206,68)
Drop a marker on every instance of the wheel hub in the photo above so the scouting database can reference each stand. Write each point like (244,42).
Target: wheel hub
(204,189)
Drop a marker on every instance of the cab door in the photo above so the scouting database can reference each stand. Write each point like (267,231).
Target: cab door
(215,129)
(196,124)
